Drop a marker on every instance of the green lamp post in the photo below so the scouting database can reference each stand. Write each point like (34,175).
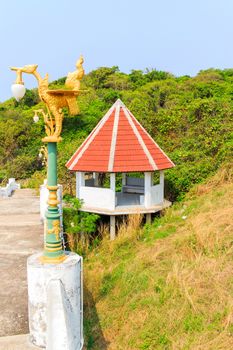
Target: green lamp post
(55,101)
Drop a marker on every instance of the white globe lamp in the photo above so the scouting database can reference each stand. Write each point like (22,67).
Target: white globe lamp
(18,91)
(36,118)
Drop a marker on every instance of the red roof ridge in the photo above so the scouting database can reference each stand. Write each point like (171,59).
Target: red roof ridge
(114,135)
(151,138)
(88,140)
(139,137)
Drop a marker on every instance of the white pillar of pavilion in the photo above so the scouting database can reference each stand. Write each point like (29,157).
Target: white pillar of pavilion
(123,179)
(147,194)
(147,186)
(112,227)
(80,181)
(113,182)
(112,217)
(148,218)
(96,179)
(161,180)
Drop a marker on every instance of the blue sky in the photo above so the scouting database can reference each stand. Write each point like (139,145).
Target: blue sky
(179,36)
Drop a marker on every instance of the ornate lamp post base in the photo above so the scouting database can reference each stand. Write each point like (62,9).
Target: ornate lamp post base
(47,260)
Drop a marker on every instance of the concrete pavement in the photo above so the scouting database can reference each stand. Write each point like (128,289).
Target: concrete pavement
(21,234)
(16,342)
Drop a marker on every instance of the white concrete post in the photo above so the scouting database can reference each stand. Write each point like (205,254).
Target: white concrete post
(161,177)
(113,181)
(13,184)
(113,186)
(148,218)
(147,186)
(112,227)
(96,179)
(123,179)
(77,183)
(80,181)
(161,181)
(9,188)
(59,335)
(56,303)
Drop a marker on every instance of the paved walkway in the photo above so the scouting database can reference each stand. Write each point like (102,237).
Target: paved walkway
(21,234)
(17,342)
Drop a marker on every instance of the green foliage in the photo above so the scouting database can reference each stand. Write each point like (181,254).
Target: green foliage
(110,280)
(190,118)
(99,77)
(58,83)
(30,99)
(139,78)
(75,221)
(78,225)
(193,323)
(35,180)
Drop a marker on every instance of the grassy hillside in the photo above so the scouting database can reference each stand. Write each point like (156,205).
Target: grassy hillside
(169,285)
(190,118)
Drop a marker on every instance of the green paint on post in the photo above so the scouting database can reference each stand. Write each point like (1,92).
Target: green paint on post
(53,250)
(52,164)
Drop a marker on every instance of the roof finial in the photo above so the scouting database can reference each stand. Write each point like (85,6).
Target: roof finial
(119,103)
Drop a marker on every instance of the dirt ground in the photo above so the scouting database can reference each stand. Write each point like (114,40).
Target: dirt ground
(21,234)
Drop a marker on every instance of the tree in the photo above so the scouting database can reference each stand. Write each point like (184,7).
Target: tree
(98,77)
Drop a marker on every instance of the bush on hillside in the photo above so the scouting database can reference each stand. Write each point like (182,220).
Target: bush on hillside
(190,118)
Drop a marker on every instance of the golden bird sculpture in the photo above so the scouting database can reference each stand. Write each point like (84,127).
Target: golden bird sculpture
(55,100)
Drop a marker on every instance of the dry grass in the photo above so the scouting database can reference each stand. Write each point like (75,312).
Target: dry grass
(131,228)
(223,176)
(80,243)
(173,293)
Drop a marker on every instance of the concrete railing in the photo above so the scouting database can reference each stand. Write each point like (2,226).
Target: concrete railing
(96,197)
(157,195)
(9,188)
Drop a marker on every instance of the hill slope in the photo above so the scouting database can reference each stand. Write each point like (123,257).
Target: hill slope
(170,285)
(190,118)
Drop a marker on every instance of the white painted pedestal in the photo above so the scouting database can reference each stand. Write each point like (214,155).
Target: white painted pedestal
(56,303)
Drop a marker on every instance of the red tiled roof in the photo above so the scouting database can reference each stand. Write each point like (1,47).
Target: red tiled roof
(119,144)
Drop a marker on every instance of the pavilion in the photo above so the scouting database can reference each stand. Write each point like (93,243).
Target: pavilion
(118,147)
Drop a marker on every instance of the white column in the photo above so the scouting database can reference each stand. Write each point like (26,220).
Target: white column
(148,218)
(161,181)
(147,185)
(80,181)
(123,179)
(112,227)
(113,181)
(113,186)
(96,179)
(77,183)
(161,177)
